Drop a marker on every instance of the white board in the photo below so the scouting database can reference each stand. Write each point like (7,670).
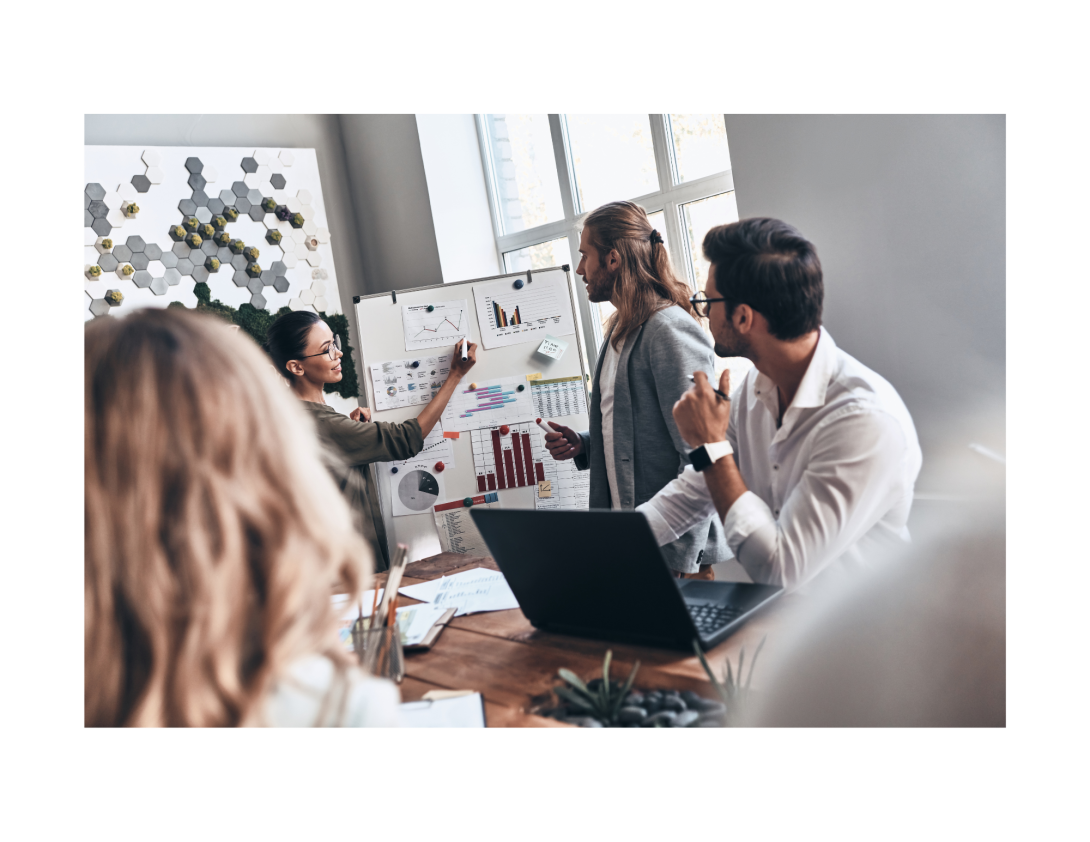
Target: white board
(383,338)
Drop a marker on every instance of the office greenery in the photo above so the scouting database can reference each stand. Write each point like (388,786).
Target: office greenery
(602,703)
(733,693)
(256,323)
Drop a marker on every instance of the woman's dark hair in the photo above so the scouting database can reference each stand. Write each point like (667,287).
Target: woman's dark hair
(770,266)
(287,338)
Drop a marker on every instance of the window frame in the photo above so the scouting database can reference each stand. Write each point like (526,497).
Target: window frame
(670,197)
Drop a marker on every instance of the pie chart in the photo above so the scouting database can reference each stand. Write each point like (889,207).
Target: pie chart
(418,490)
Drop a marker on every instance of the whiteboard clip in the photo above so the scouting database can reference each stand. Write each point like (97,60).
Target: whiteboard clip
(529,277)
(393,295)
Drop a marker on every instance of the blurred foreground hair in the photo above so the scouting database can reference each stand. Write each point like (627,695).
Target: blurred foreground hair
(213,532)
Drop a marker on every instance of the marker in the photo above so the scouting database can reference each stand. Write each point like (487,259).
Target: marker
(545,426)
(465,343)
(724,397)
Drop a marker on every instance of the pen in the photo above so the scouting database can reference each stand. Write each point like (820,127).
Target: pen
(724,397)
(545,426)
(465,343)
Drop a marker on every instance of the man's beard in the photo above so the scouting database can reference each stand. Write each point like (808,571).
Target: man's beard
(735,346)
(599,287)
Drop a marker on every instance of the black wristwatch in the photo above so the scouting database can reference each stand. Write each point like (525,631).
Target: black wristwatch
(708,454)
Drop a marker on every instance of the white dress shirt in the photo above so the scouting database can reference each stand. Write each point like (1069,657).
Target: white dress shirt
(834,479)
(606,382)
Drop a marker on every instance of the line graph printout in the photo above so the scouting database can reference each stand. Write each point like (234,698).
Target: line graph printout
(504,400)
(507,460)
(509,316)
(437,325)
(410,382)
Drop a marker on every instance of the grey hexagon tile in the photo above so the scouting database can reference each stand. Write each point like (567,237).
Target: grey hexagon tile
(286,158)
(267,278)
(258,301)
(278,181)
(281,284)
(240,278)
(108,262)
(249,165)
(159,286)
(180,249)
(155,175)
(99,307)
(142,183)
(101,227)
(114,297)
(172,276)
(204,214)
(209,248)
(200,274)
(254,196)
(185,266)
(254,285)
(139,261)
(187,207)
(239,188)
(256,213)
(95,191)
(135,244)
(152,157)
(200,198)
(98,209)
(224,254)
(169,259)
(216,204)
(88,220)
(122,252)
(153,251)
(242,205)
(142,278)
(239,261)
(194,164)
(197,181)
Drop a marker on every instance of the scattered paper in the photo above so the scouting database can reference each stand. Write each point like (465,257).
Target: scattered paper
(465,711)
(436,325)
(457,531)
(552,347)
(471,591)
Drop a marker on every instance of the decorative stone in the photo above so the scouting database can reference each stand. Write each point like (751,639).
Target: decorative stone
(114,297)
(685,719)
(673,703)
(631,714)
(586,722)
(662,719)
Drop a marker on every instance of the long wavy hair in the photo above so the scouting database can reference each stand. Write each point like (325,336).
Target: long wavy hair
(214,535)
(646,282)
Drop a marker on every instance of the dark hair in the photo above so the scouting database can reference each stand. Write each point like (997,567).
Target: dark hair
(287,338)
(770,266)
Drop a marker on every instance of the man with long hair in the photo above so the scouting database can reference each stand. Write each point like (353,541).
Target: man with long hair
(813,462)
(653,342)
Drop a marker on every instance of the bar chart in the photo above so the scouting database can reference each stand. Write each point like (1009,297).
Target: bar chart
(492,402)
(509,316)
(507,460)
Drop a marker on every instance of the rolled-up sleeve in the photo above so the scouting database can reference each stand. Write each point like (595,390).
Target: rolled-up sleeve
(363,442)
(855,474)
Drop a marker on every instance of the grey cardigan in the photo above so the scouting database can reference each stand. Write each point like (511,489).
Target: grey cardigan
(652,373)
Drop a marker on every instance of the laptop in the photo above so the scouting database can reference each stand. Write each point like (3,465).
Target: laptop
(600,574)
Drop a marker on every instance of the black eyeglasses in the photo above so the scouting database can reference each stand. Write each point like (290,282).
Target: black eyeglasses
(702,304)
(331,351)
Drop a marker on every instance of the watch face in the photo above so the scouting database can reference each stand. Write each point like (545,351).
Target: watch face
(699,459)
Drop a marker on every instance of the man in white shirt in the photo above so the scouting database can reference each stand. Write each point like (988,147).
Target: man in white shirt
(825,455)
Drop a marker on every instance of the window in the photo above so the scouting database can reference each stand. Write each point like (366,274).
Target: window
(547,172)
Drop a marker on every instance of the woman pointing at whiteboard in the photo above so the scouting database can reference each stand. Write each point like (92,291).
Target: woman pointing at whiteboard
(305,351)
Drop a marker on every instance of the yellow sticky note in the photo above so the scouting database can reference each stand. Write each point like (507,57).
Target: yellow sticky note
(535,376)
(545,488)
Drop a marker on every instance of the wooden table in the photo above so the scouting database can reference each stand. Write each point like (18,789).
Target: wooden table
(514,666)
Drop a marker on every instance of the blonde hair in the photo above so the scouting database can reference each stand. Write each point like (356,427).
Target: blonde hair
(214,534)
(646,282)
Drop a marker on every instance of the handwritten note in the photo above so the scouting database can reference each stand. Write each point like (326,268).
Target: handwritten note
(552,347)
(471,591)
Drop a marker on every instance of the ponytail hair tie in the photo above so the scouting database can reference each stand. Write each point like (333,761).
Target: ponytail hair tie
(655,237)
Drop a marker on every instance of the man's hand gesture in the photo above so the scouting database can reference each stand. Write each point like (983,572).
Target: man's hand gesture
(701,415)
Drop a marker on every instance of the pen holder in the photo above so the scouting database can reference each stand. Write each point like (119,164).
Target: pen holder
(379,650)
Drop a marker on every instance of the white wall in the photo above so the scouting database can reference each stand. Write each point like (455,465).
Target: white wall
(908,217)
(459,201)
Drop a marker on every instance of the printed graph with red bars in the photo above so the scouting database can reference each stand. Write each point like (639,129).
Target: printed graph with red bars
(510,459)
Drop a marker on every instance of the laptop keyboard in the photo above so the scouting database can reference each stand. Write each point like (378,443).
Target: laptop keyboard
(708,619)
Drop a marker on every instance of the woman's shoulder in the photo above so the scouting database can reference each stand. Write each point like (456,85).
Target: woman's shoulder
(314,692)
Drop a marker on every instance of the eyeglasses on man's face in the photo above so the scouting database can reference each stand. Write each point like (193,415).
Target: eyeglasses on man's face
(331,352)
(702,304)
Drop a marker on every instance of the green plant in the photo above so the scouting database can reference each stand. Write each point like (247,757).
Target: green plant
(733,693)
(602,703)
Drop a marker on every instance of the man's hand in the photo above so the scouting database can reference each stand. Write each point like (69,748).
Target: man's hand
(564,443)
(360,413)
(701,415)
(458,366)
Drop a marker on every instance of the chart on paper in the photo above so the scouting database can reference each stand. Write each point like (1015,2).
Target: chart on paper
(559,397)
(507,460)
(437,325)
(409,382)
(508,316)
(493,402)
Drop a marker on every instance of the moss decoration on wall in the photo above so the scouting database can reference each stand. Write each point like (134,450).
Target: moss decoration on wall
(256,323)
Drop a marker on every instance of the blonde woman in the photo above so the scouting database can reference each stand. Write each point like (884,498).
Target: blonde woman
(214,539)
